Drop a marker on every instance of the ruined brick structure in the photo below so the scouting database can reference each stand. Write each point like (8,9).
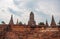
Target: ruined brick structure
(30,31)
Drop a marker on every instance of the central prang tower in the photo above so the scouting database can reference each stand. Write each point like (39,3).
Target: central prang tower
(31,21)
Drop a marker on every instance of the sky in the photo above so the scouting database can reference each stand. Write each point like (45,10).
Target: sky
(20,9)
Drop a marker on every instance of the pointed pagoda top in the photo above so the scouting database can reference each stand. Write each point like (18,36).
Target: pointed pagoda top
(31,13)
(53,21)
(47,23)
(11,20)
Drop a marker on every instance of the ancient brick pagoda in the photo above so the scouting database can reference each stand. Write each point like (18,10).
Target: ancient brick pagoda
(30,31)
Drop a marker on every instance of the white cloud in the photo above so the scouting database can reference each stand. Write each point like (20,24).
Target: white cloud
(48,8)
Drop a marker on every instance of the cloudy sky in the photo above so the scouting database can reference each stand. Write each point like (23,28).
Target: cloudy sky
(43,9)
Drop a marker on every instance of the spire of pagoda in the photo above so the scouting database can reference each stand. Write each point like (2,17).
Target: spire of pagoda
(47,23)
(11,20)
(31,21)
(53,21)
(32,16)
(17,22)
(32,13)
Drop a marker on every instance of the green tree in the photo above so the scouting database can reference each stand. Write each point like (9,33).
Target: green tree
(41,23)
(20,23)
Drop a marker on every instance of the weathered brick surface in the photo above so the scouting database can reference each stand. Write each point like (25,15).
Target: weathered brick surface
(29,33)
